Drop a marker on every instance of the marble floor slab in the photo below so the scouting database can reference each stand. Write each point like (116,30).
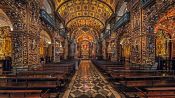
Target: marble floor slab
(89,83)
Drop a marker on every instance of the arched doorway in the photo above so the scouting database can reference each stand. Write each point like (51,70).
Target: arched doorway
(163,49)
(84,44)
(5,42)
(111,50)
(165,42)
(45,46)
(126,50)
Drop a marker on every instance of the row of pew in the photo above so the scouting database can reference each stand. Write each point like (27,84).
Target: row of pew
(138,83)
(47,81)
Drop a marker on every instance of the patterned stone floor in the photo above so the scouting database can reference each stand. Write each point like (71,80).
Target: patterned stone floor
(89,83)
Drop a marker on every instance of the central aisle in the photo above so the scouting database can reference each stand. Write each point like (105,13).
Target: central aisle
(89,83)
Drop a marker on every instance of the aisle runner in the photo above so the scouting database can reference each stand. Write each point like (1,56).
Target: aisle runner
(89,83)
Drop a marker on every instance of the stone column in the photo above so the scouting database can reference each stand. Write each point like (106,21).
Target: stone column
(76,51)
(104,49)
(99,50)
(66,49)
(17,49)
(24,49)
(56,56)
(114,49)
(71,49)
(54,50)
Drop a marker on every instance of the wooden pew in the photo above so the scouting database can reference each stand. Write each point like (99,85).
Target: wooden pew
(49,78)
(160,92)
(123,73)
(140,78)
(41,73)
(24,92)
(148,83)
(69,68)
(29,83)
(61,74)
(143,79)
(131,78)
(106,67)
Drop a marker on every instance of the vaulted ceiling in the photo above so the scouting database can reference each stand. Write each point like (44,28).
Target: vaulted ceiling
(89,14)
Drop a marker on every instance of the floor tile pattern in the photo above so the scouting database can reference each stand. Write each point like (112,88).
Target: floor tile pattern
(88,83)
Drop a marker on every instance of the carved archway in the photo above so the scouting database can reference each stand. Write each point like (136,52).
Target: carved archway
(24,33)
(17,24)
(165,30)
(45,45)
(5,36)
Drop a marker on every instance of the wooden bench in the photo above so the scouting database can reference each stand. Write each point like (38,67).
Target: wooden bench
(37,79)
(61,75)
(30,83)
(30,78)
(148,83)
(162,92)
(30,87)
(67,68)
(132,73)
(41,73)
(9,92)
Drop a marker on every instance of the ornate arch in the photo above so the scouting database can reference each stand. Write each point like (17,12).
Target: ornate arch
(24,34)
(12,13)
(166,22)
